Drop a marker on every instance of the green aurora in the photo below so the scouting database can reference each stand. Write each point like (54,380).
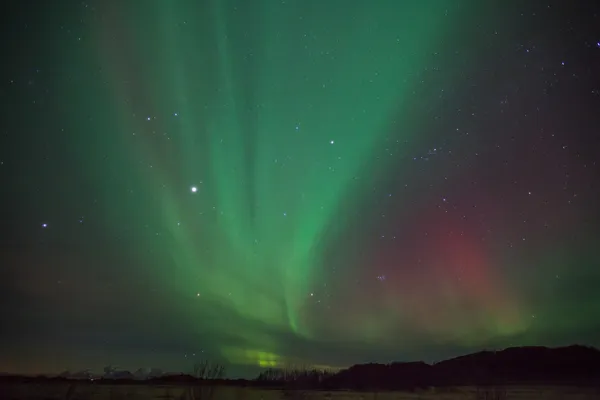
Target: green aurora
(273,110)
(303,182)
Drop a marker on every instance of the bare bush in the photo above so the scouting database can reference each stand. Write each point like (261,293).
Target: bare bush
(207,370)
(294,377)
(204,370)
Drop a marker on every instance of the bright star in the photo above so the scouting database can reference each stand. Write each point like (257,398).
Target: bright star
(194,189)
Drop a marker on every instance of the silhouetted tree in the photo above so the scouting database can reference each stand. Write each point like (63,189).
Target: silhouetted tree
(294,377)
(207,370)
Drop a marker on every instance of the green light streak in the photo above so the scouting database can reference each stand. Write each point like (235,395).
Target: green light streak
(278,145)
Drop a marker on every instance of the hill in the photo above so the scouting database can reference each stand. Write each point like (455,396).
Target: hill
(516,365)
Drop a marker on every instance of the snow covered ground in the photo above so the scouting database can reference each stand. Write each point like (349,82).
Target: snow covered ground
(132,392)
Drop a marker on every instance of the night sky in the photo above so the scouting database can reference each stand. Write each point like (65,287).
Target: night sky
(277,182)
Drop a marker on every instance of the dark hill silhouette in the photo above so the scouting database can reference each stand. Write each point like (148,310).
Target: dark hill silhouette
(522,364)
(516,365)
(381,376)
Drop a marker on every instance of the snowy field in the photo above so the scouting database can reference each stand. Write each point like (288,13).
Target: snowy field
(133,392)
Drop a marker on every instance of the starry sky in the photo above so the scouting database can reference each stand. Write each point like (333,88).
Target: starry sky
(282,182)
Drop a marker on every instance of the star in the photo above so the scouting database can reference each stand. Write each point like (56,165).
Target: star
(460,153)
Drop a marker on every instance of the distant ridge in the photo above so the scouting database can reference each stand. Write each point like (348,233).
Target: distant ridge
(572,365)
(514,365)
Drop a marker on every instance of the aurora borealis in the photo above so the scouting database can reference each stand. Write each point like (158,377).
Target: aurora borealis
(267,183)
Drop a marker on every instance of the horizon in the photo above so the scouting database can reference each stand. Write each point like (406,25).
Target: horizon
(163,373)
(276,183)
(227,376)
